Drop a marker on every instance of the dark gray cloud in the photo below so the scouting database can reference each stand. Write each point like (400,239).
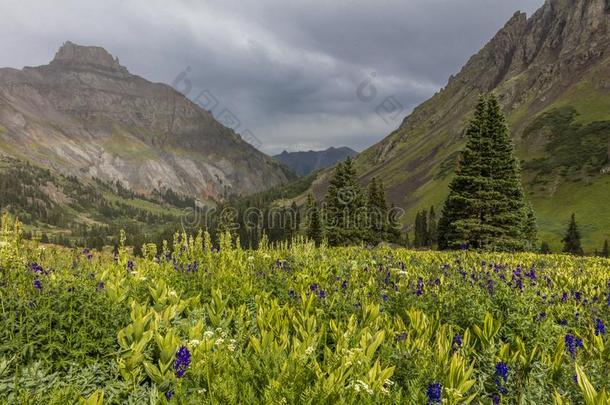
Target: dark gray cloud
(288,70)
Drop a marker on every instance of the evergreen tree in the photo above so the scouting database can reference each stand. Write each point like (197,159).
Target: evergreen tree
(345,207)
(417,239)
(227,221)
(424,237)
(571,240)
(296,212)
(432,228)
(605,251)
(394,228)
(530,231)
(377,224)
(314,230)
(421,229)
(486,207)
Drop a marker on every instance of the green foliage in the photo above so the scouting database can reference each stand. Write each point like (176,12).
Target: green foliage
(571,240)
(486,207)
(314,228)
(296,324)
(573,150)
(345,209)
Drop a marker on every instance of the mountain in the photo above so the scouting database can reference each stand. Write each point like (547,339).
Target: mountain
(304,163)
(551,72)
(85,115)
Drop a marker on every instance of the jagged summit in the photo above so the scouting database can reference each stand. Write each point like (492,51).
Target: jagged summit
(72,54)
(550,71)
(85,115)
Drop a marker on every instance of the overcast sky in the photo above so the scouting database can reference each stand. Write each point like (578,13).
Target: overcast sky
(298,75)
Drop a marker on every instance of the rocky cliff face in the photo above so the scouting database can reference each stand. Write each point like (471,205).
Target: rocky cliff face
(558,59)
(85,115)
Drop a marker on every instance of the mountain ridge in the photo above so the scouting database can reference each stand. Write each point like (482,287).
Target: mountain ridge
(306,162)
(84,114)
(557,58)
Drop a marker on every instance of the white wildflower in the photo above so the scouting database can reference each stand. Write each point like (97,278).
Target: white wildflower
(309,351)
(195,342)
(208,334)
(219,341)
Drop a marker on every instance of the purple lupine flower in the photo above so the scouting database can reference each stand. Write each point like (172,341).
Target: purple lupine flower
(344,285)
(490,286)
(457,341)
(292,294)
(495,399)
(501,372)
(540,317)
(572,344)
(322,293)
(420,286)
(183,360)
(434,392)
(169,395)
(36,268)
(100,286)
(130,265)
(520,284)
(600,328)
(313,287)
(38,285)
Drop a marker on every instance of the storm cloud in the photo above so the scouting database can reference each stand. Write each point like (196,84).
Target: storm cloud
(297,75)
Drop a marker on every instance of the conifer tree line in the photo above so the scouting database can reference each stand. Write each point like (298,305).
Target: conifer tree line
(425,229)
(486,208)
(349,214)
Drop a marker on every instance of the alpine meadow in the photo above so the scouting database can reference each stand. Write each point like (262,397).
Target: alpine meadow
(286,205)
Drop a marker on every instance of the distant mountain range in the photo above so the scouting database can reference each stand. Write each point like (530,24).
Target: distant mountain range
(85,115)
(552,74)
(304,163)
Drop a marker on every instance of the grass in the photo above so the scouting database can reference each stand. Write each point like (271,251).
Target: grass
(554,214)
(298,324)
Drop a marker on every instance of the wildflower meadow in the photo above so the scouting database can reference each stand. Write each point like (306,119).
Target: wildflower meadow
(192,322)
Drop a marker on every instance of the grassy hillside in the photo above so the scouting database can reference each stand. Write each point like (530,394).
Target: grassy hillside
(66,210)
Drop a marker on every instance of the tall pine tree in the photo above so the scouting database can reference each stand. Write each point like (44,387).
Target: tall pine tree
(486,206)
(314,229)
(571,240)
(605,251)
(377,225)
(432,228)
(345,210)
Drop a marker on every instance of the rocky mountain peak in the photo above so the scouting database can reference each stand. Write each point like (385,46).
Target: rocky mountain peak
(93,56)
